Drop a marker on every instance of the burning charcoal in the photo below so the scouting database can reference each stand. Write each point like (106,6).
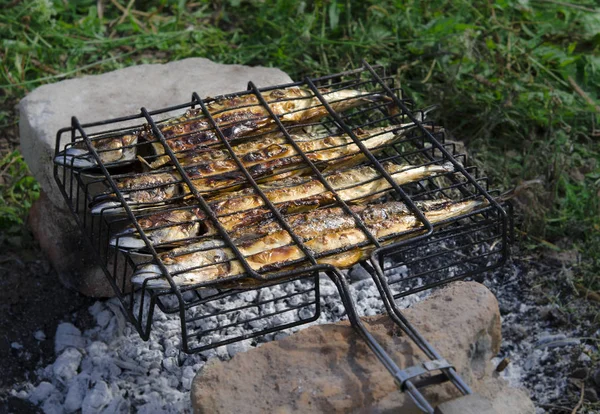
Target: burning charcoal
(236,347)
(281,305)
(39,335)
(294,300)
(265,295)
(258,324)
(66,365)
(76,393)
(187,376)
(118,405)
(68,335)
(41,392)
(306,313)
(249,296)
(97,398)
(267,308)
(170,364)
(327,288)
(339,310)
(281,319)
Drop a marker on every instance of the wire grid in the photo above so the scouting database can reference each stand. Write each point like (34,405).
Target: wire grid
(418,147)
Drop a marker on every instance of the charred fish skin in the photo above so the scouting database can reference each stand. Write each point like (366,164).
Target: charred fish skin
(241,116)
(226,173)
(300,195)
(220,175)
(111,150)
(383,220)
(140,192)
(160,229)
(277,153)
(256,143)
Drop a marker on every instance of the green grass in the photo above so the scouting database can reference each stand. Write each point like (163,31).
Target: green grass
(518,81)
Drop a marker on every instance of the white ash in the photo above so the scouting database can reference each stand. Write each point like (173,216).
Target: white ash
(542,353)
(110,369)
(39,335)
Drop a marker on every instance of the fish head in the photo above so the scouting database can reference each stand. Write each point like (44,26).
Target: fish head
(75,157)
(344,99)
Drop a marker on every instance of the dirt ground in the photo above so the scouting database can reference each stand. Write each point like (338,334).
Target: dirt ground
(31,299)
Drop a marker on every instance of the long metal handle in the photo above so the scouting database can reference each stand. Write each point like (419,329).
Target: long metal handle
(399,375)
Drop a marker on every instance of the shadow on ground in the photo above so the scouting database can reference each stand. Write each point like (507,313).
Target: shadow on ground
(32,303)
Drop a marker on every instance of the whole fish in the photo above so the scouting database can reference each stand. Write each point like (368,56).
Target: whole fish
(252,143)
(303,194)
(142,191)
(111,150)
(261,164)
(202,262)
(278,156)
(239,116)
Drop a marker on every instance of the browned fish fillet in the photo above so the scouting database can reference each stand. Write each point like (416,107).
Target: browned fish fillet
(352,185)
(239,116)
(111,150)
(206,181)
(209,259)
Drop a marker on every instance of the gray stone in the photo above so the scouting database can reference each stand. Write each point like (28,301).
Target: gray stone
(329,368)
(94,98)
(357,273)
(67,335)
(468,404)
(63,243)
(66,365)
(97,398)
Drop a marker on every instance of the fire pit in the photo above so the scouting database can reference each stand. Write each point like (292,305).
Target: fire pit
(456,229)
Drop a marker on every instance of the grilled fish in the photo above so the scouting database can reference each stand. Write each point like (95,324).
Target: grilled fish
(276,157)
(148,191)
(305,194)
(262,163)
(236,116)
(239,116)
(253,143)
(201,262)
(111,150)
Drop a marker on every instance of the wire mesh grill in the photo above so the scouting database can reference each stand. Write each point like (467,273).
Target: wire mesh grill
(319,174)
(252,144)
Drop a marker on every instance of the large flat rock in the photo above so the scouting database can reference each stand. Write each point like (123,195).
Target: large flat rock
(329,369)
(122,92)
(95,98)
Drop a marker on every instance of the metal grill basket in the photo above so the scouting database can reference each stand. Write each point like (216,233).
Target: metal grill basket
(426,255)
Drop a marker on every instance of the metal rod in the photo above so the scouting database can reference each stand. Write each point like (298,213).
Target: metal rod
(342,285)
(365,151)
(314,169)
(282,222)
